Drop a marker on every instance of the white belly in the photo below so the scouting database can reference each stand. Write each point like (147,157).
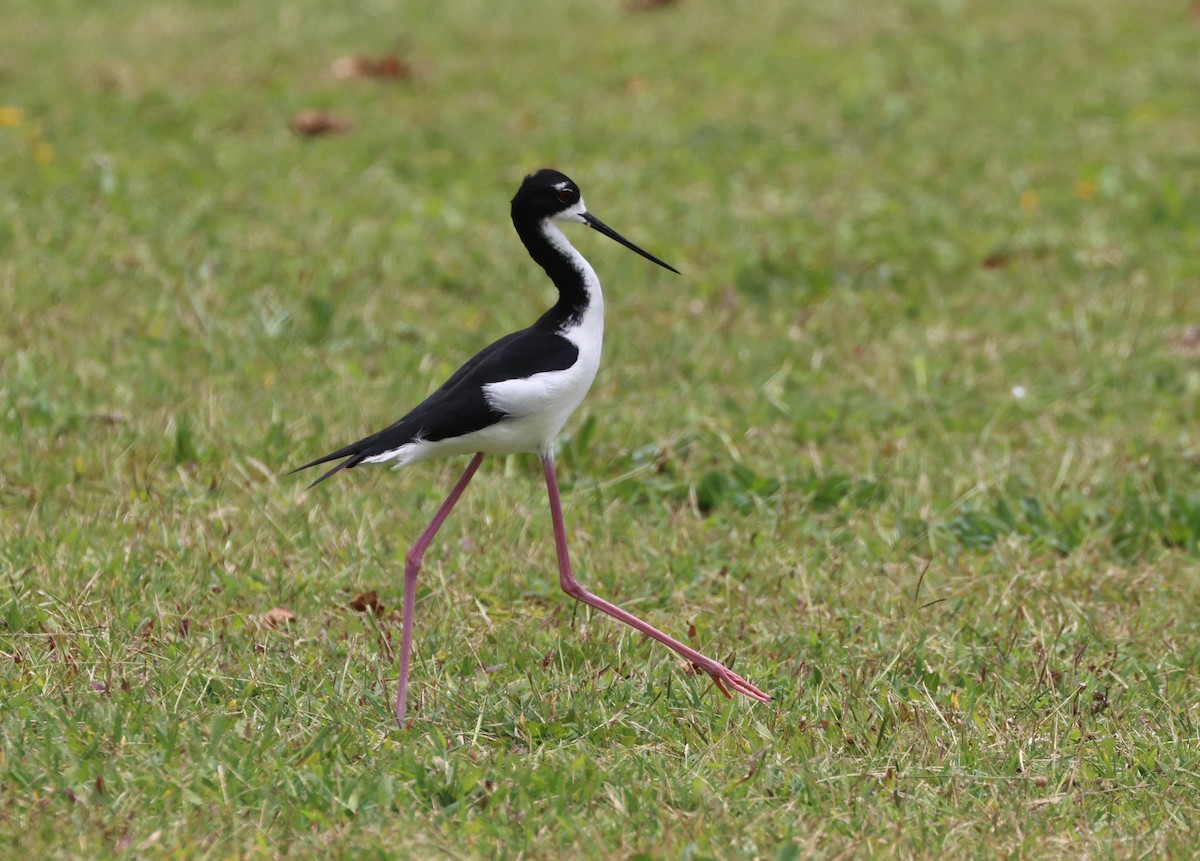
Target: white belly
(535,408)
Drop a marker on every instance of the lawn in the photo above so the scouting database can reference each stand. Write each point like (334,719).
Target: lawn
(913,441)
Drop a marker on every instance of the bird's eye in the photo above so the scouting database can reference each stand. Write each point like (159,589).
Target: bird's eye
(567,195)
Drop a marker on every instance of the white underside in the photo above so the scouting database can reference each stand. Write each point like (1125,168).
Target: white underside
(537,407)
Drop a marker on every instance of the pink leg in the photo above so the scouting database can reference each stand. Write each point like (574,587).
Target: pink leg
(721,675)
(412,565)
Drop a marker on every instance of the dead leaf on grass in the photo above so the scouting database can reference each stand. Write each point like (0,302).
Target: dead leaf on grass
(367,602)
(386,68)
(645,5)
(313,123)
(997,260)
(276,618)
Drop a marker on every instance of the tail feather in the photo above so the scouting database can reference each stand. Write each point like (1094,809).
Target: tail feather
(353,454)
(377,443)
(348,462)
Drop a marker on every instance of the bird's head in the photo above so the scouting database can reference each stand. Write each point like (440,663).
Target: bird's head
(547,195)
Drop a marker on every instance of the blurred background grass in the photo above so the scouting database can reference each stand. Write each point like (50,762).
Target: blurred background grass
(914,436)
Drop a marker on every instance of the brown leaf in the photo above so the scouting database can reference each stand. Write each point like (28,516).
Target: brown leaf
(691,631)
(391,68)
(277,617)
(313,123)
(367,602)
(645,5)
(388,68)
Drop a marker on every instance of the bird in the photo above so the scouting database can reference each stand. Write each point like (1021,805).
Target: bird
(514,397)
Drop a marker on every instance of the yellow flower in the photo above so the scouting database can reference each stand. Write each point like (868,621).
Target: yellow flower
(10,116)
(43,152)
(1030,200)
(1085,189)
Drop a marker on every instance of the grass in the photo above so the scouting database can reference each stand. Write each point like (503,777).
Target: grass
(913,440)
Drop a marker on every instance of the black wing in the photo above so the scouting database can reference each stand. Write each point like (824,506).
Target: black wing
(459,407)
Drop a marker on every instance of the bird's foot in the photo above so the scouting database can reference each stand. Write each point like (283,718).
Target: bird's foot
(726,679)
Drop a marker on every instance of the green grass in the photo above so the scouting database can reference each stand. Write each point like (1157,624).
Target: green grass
(913,440)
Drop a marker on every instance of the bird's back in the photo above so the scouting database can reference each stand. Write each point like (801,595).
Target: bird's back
(499,402)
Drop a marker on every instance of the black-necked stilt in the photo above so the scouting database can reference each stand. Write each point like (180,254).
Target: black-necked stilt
(514,397)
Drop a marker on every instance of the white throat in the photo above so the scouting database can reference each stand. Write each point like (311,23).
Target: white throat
(591,283)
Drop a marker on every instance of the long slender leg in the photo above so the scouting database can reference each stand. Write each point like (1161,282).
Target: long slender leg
(412,566)
(722,676)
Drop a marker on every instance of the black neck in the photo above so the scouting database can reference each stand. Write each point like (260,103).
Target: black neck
(573,297)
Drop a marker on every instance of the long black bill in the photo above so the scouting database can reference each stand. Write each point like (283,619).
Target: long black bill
(599,226)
